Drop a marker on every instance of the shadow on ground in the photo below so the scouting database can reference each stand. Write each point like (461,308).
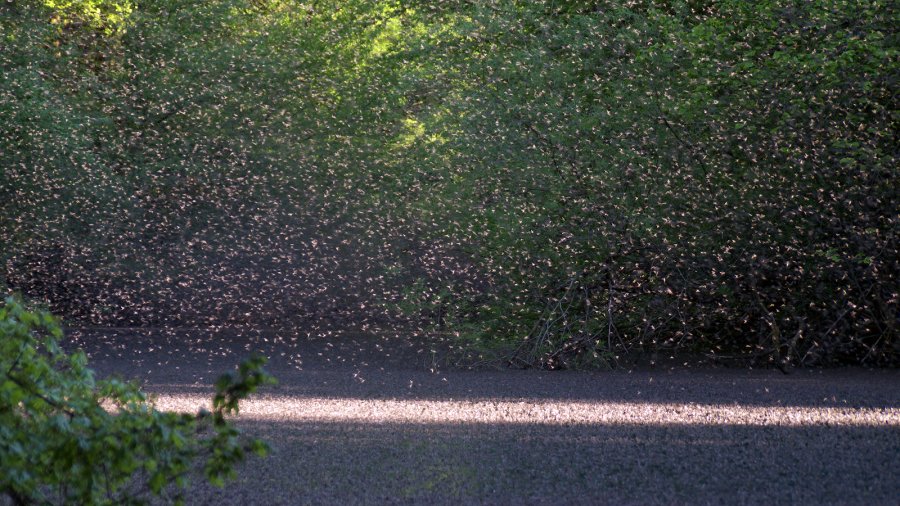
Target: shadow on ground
(351,463)
(340,365)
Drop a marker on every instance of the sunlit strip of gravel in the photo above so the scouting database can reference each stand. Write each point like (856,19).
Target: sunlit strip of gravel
(306,409)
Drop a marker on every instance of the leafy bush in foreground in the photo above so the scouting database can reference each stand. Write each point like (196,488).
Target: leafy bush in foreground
(66,437)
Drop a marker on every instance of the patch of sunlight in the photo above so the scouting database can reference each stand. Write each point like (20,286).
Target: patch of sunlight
(417,411)
(389,34)
(413,129)
(109,16)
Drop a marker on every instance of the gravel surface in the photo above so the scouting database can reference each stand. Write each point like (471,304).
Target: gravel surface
(378,420)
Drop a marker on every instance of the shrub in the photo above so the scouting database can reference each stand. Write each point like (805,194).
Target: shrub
(67,437)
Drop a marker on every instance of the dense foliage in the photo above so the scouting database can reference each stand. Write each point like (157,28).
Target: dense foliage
(563,180)
(68,438)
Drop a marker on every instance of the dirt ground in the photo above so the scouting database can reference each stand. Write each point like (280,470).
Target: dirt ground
(383,420)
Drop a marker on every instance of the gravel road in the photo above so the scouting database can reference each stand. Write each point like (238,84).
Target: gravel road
(376,420)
